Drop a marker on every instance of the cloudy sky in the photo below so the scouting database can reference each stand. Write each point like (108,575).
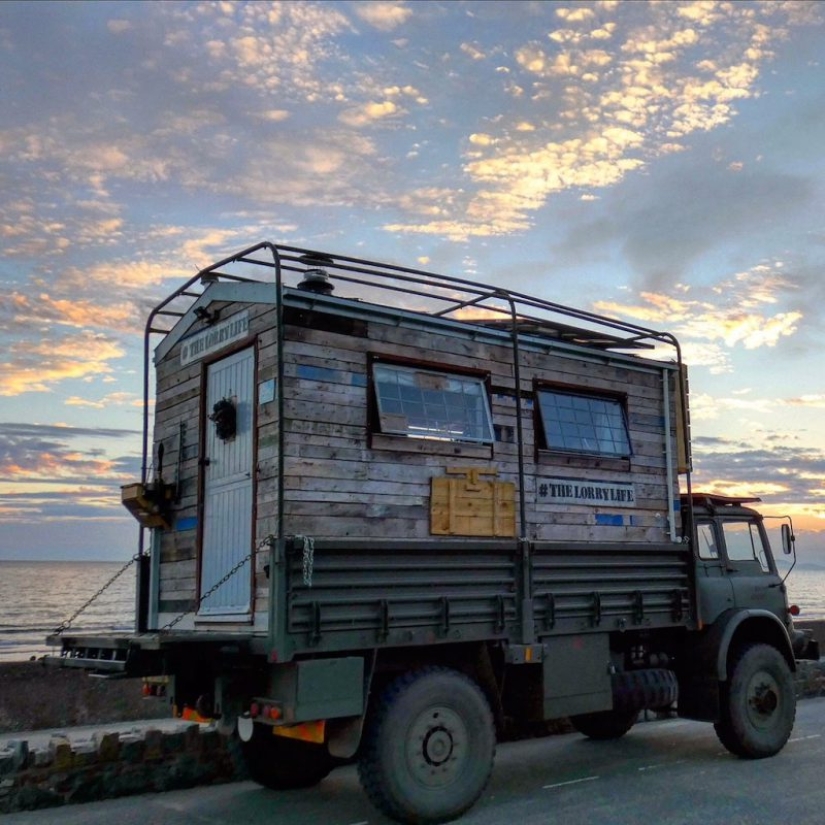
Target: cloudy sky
(662,162)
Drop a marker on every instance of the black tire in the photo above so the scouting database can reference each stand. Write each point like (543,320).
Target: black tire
(606,724)
(646,689)
(758,703)
(280,763)
(429,747)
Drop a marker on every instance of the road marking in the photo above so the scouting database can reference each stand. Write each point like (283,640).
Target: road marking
(803,738)
(662,765)
(571,782)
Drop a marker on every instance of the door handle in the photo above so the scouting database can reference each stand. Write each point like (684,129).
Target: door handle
(204,462)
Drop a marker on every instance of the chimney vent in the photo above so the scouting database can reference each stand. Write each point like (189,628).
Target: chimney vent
(316,280)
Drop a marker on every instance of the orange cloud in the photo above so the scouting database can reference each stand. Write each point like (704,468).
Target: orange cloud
(114,399)
(706,329)
(33,367)
(26,310)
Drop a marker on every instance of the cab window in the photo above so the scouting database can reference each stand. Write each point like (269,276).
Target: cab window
(706,539)
(743,542)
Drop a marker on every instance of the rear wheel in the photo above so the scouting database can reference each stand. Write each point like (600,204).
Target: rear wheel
(429,747)
(758,703)
(281,764)
(606,724)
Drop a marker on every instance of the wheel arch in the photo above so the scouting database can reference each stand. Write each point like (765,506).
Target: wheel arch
(734,629)
(480,661)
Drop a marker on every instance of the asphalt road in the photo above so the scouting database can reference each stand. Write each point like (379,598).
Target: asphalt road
(662,773)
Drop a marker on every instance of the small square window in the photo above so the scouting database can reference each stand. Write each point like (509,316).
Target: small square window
(425,404)
(595,425)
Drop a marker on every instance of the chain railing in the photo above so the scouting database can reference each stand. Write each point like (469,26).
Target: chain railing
(307,564)
(65,625)
(196,603)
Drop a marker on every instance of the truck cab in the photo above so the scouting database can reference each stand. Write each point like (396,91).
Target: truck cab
(735,567)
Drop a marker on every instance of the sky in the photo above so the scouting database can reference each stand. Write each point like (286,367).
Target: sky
(661,162)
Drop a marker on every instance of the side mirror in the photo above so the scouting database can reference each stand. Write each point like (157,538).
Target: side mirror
(787,539)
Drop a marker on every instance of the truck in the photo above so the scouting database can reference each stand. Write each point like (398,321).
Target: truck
(387,514)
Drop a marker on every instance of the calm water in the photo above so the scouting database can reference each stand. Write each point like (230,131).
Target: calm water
(806,588)
(35,597)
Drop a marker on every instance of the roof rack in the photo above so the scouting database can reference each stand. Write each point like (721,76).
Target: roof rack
(715,500)
(416,290)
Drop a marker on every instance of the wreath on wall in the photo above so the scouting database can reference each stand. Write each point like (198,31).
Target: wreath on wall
(225,417)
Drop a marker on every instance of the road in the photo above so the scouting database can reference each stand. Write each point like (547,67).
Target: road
(671,772)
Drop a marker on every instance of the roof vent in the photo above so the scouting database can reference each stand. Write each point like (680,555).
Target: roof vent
(316,280)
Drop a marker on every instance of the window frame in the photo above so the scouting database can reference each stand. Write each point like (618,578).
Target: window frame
(708,546)
(543,442)
(736,528)
(438,442)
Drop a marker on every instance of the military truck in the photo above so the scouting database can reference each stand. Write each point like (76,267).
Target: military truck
(386,513)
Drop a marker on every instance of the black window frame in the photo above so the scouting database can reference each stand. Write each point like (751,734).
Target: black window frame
(546,443)
(757,546)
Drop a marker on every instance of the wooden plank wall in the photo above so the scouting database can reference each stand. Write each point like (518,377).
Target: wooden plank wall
(339,484)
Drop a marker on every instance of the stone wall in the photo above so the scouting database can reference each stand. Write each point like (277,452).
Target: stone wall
(110,765)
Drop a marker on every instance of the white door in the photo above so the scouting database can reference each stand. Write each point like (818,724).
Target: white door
(227,505)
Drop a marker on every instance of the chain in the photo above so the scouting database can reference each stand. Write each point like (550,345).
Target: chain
(196,603)
(65,625)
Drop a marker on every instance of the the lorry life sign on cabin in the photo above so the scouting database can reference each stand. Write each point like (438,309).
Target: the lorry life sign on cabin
(214,338)
(576,491)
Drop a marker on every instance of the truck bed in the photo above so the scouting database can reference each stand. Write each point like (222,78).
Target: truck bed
(354,594)
(398,593)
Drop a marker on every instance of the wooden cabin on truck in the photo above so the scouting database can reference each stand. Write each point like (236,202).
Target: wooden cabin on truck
(389,511)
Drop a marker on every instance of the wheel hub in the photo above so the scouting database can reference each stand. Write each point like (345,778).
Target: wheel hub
(437,747)
(763,699)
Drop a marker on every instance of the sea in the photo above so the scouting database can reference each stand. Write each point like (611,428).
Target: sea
(36,597)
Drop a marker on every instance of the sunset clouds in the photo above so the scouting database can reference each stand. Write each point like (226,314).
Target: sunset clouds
(657,161)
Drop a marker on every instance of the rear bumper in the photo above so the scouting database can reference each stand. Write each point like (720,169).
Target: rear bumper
(146,654)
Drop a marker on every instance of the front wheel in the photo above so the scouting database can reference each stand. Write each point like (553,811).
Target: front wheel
(758,703)
(429,747)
